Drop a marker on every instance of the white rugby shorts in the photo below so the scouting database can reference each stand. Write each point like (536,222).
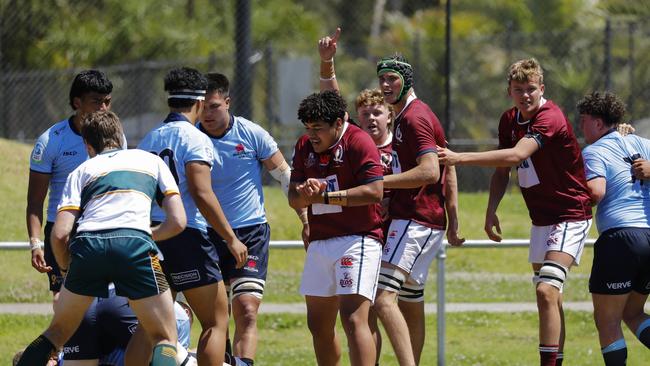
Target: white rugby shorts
(566,237)
(412,247)
(343,265)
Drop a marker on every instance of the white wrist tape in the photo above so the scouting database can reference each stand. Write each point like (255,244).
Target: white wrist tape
(36,244)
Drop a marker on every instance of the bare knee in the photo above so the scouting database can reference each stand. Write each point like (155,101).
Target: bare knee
(547,295)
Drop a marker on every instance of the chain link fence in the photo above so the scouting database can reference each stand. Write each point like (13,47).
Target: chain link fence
(268,50)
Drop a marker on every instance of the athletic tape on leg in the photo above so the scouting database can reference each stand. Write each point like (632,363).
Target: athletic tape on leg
(411,292)
(391,279)
(553,273)
(248,286)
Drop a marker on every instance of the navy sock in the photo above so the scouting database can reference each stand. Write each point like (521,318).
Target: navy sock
(37,353)
(615,354)
(643,333)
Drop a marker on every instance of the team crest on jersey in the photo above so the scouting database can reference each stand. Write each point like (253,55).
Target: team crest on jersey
(338,154)
(240,152)
(37,154)
(398,133)
(311,160)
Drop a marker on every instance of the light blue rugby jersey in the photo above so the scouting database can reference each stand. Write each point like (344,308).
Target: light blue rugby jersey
(178,142)
(58,151)
(627,200)
(237,172)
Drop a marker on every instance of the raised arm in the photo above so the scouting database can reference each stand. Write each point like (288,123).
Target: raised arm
(327,51)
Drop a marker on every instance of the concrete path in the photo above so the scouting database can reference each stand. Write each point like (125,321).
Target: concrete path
(299,308)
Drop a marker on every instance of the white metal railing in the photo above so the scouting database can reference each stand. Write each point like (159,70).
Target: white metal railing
(440,257)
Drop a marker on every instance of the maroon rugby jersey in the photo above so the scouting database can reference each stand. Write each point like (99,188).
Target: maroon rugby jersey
(417,132)
(351,162)
(552,180)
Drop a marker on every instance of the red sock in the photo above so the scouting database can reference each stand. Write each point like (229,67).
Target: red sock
(548,354)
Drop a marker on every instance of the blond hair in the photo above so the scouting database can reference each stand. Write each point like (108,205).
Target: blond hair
(369,97)
(525,70)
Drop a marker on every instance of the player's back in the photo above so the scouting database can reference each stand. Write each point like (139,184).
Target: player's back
(115,189)
(178,143)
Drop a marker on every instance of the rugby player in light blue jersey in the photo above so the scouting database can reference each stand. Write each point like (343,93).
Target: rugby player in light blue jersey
(57,152)
(190,258)
(242,149)
(620,274)
(107,202)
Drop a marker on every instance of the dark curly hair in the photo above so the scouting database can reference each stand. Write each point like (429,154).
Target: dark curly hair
(184,78)
(326,106)
(606,106)
(89,81)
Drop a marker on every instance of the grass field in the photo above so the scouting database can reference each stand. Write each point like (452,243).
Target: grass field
(472,275)
(473,339)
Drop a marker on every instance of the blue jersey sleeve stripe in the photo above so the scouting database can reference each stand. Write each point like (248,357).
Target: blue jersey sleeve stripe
(425,151)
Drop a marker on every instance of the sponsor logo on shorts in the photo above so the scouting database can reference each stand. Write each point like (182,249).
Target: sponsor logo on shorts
(347,262)
(132,328)
(552,240)
(386,249)
(180,278)
(70,350)
(251,263)
(647,286)
(346,281)
(619,285)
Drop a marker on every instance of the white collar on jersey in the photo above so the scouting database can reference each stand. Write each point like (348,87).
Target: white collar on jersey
(345,127)
(410,98)
(542,101)
(389,139)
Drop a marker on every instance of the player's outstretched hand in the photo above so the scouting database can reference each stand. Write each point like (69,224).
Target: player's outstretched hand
(327,45)
(641,169)
(447,157)
(38,261)
(491,223)
(239,252)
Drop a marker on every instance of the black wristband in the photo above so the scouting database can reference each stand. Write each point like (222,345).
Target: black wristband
(326,198)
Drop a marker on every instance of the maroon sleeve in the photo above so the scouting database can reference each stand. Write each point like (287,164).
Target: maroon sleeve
(547,124)
(364,159)
(297,163)
(419,128)
(505,130)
